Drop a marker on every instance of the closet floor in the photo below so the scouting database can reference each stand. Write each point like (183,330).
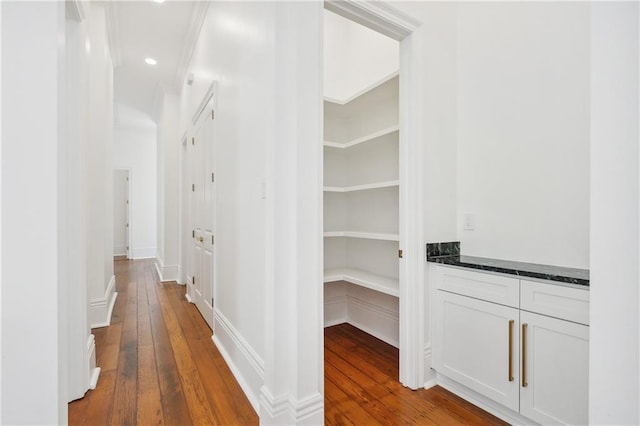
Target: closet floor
(362,388)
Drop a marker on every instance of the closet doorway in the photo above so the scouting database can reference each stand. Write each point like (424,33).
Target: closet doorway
(121,213)
(200,187)
(374,249)
(361,179)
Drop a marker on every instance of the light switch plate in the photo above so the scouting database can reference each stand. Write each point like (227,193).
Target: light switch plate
(468,221)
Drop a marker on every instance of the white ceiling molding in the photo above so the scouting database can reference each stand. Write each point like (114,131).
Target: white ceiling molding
(75,10)
(113,33)
(198,16)
(378,16)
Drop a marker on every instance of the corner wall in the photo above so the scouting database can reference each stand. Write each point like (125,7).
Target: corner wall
(98,173)
(614,350)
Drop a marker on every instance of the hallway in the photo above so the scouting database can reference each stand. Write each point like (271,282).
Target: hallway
(159,365)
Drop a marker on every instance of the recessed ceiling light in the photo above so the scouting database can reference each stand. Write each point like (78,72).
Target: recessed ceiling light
(150,61)
(159,1)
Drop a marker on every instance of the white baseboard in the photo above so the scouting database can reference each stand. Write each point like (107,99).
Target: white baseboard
(143,253)
(100,309)
(167,272)
(285,410)
(119,250)
(335,310)
(379,321)
(430,379)
(188,297)
(95,374)
(243,361)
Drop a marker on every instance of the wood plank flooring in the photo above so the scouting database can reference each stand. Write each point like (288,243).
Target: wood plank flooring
(159,366)
(362,388)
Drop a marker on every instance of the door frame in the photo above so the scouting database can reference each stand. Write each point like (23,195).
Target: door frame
(387,20)
(129,197)
(208,106)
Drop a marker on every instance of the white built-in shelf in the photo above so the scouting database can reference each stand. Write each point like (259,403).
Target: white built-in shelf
(364,279)
(367,138)
(364,187)
(363,235)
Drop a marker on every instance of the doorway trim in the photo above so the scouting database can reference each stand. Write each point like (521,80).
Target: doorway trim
(387,20)
(129,196)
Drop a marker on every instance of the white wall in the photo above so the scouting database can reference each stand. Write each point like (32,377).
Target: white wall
(134,148)
(99,173)
(355,58)
(265,292)
(614,344)
(236,48)
(523,131)
(33,321)
(168,185)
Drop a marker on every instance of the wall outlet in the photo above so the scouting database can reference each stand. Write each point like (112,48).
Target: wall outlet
(468,221)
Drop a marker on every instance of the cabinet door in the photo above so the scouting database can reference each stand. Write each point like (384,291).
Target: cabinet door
(555,377)
(476,344)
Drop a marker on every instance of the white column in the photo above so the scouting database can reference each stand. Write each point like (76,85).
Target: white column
(98,174)
(33,301)
(615,230)
(294,379)
(168,187)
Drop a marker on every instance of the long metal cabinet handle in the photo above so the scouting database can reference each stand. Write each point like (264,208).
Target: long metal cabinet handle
(511,350)
(524,355)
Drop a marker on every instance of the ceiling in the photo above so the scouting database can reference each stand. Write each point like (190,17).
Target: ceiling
(163,31)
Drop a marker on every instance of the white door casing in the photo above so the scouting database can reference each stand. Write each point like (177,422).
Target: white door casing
(121,212)
(200,255)
(387,20)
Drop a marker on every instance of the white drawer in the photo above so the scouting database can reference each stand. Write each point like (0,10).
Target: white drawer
(567,303)
(484,286)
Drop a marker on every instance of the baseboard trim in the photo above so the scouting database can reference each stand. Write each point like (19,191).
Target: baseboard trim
(284,409)
(167,272)
(95,374)
(381,313)
(188,297)
(335,310)
(243,361)
(143,253)
(100,309)
(430,379)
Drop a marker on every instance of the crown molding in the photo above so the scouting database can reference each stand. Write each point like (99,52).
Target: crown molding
(113,33)
(198,16)
(377,15)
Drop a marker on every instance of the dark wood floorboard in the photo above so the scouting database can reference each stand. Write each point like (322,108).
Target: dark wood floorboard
(362,388)
(160,367)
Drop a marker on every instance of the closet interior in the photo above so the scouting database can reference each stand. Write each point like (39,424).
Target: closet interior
(361,179)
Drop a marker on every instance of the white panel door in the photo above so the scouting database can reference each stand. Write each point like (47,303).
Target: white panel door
(120,212)
(555,377)
(202,186)
(476,344)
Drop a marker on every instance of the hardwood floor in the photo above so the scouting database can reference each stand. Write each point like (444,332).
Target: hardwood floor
(159,366)
(361,387)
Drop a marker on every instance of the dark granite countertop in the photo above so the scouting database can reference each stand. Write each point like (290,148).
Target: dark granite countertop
(445,253)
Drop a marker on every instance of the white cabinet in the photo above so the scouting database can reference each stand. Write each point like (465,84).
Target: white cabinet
(555,362)
(477,345)
(523,344)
